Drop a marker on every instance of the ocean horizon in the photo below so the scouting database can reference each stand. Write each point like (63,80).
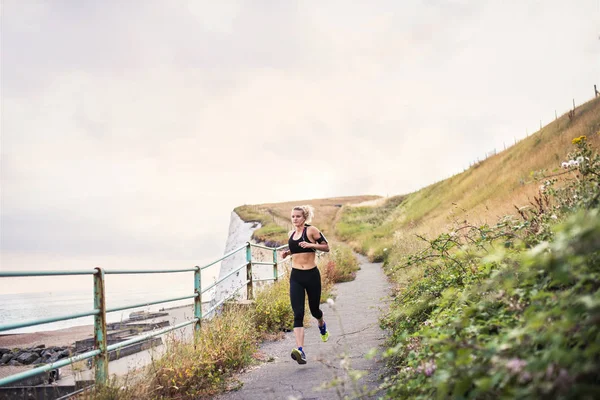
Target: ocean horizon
(33,305)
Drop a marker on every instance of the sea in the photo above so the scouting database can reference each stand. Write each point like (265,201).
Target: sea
(54,296)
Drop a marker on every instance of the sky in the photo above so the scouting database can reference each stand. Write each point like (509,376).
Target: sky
(130,130)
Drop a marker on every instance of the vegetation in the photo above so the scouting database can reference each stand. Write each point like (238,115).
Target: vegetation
(510,310)
(482,194)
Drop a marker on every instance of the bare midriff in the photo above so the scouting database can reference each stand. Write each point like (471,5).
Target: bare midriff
(303,260)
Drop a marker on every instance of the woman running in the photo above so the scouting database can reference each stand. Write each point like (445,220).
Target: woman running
(303,242)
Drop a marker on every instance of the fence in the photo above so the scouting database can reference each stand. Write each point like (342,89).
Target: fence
(101,350)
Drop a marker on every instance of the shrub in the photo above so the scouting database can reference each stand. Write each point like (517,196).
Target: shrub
(506,311)
(224,345)
(273,312)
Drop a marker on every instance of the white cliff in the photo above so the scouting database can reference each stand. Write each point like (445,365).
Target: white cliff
(240,232)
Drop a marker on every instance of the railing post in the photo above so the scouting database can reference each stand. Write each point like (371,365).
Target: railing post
(198,298)
(101,360)
(249,294)
(275,274)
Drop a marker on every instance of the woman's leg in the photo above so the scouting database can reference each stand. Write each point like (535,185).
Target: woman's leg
(297,300)
(313,290)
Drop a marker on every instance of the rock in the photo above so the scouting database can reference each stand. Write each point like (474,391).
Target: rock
(63,354)
(47,353)
(27,358)
(5,358)
(53,358)
(40,346)
(38,361)
(3,351)
(13,363)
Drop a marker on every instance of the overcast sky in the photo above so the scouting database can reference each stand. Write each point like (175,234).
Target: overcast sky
(131,129)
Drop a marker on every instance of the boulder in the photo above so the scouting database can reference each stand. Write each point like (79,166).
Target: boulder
(53,358)
(6,358)
(47,353)
(40,346)
(38,361)
(3,351)
(65,353)
(27,358)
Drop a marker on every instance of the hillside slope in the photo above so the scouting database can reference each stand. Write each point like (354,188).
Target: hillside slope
(483,193)
(275,217)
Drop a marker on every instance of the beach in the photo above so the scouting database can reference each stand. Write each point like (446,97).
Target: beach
(60,337)
(68,337)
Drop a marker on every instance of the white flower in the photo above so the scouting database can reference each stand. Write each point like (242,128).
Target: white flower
(553,216)
(579,159)
(515,365)
(384,250)
(330,302)
(565,164)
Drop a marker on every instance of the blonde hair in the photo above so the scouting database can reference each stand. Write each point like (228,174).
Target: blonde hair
(308,212)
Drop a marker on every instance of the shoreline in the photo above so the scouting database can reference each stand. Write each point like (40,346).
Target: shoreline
(68,336)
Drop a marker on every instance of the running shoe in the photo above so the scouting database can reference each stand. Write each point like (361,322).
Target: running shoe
(299,356)
(324,332)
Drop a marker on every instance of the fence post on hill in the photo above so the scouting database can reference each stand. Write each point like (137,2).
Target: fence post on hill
(275,264)
(101,360)
(198,298)
(596,93)
(249,295)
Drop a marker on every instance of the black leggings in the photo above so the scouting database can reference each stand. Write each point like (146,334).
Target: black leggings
(301,280)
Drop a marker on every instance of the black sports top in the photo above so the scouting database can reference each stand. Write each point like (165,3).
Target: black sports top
(294,244)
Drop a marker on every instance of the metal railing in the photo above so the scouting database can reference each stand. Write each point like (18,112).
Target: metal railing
(101,349)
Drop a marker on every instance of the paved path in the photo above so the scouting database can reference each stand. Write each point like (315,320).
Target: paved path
(354,330)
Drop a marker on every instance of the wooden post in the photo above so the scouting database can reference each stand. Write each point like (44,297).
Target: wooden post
(573,104)
(596,93)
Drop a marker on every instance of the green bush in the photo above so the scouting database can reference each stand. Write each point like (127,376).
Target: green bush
(507,311)
(273,311)
(188,370)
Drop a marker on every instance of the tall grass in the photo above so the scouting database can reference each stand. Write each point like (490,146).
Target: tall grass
(481,194)
(509,310)
(273,312)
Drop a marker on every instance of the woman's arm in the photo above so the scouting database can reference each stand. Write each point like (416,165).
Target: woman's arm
(287,252)
(320,242)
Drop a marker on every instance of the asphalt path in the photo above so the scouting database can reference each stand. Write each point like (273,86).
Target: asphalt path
(332,367)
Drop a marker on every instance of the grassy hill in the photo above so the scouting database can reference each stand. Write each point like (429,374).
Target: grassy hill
(482,194)
(275,217)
